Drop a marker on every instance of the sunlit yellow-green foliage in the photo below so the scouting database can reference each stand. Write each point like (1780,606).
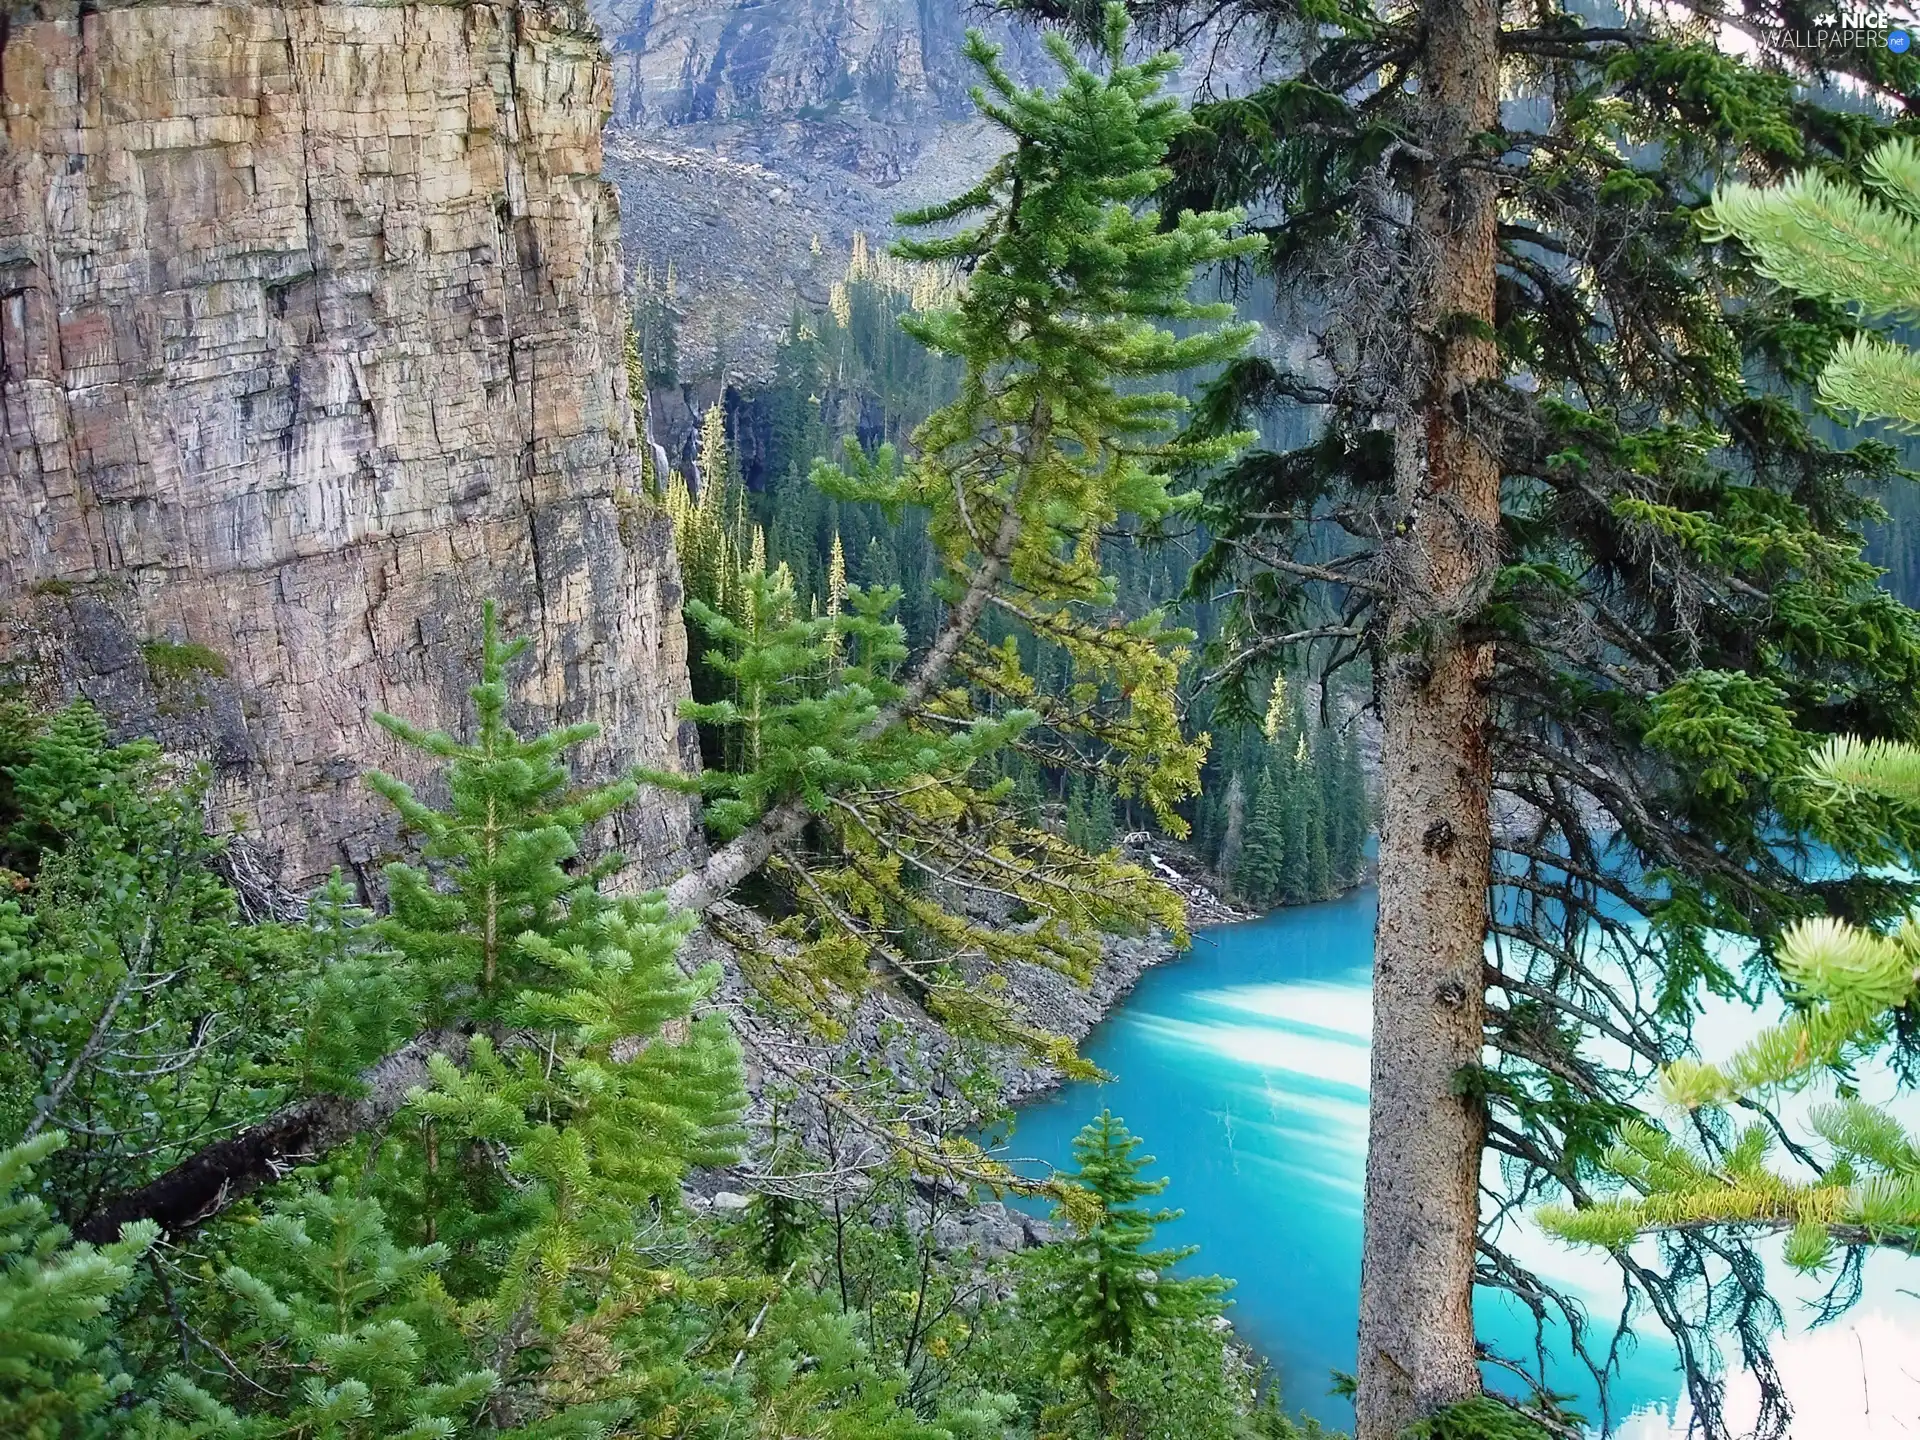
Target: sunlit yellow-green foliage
(1848,981)
(723,567)
(1054,436)
(927,859)
(915,863)
(707,525)
(925,286)
(1823,237)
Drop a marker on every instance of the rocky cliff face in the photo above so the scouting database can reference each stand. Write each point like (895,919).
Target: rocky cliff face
(745,131)
(311,332)
(750,141)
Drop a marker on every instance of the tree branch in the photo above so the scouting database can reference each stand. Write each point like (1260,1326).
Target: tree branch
(749,850)
(207,1182)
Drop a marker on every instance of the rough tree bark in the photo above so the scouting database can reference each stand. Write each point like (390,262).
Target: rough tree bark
(212,1179)
(1421,1211)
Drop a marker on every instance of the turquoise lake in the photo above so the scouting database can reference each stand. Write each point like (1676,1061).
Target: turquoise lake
(1243,1065)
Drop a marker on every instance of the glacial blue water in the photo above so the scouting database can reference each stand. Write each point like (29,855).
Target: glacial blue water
(1243,1065)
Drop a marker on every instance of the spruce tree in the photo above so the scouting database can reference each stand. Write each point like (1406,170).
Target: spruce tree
(58,1375)
(1105,1295)
(623,1094)
(1603,586)
(1303,819)
(502,935)
(487,1247)
(1820,236)
(1103,824)
(1350,791)
(512,823)
(1261,874)
(1090,821)
(1074,823)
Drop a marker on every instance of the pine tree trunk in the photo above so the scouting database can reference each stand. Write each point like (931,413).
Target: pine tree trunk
(1424,1140)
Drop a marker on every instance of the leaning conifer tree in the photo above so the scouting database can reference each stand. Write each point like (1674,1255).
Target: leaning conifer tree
(1071,281)
(874,795)
(1606,591)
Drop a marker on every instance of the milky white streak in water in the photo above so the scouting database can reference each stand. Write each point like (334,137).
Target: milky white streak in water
(1244,1066)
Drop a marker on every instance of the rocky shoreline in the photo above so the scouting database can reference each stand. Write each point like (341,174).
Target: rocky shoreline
(889,1048)
(887,1034)
(1067,1009)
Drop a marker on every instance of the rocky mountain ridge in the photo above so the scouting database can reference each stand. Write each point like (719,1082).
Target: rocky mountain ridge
(311,339)
(786,126)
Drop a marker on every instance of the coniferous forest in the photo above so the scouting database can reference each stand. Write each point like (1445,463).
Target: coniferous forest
(1464,461)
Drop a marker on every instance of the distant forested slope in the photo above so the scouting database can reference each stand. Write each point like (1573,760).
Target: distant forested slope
(1283,814)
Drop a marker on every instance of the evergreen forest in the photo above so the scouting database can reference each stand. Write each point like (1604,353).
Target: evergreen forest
(1550,583)
(852,373)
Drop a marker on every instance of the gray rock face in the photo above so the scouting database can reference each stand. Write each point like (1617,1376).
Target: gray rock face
(745,136)
(679,62)
(311,336)
(750,141)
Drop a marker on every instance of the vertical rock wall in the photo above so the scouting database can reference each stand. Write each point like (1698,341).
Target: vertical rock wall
(311,338)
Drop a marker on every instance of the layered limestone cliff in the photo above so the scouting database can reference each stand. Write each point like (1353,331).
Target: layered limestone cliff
(311,338)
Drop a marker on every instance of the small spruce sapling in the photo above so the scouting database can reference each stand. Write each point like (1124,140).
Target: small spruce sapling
(1103,1295)
(512,822)
(58,1375)
(326,1324)
(592,1089)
